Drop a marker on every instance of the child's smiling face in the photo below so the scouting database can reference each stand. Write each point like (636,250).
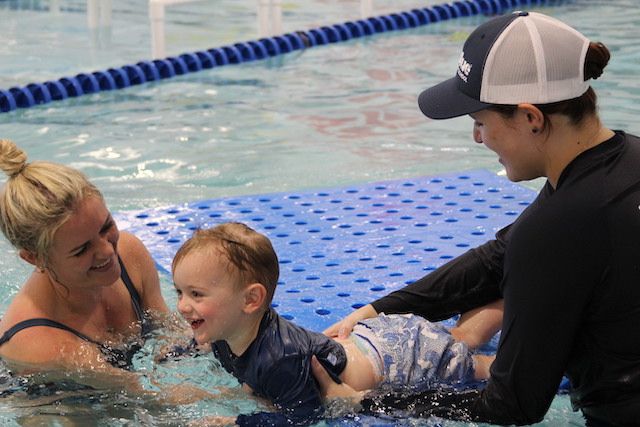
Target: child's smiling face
(209,297)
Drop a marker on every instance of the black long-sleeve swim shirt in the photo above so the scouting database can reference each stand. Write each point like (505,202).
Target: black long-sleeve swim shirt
(569,271)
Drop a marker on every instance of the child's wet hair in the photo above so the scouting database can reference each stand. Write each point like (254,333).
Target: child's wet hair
(250,252)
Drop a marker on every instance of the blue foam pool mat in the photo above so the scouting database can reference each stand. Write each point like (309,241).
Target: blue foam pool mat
(340,248)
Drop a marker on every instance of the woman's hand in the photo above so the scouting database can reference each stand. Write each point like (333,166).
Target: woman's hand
(343,328)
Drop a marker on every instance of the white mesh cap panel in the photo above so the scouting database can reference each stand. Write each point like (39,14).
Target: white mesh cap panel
(564,50)
(511,65)
(537,60)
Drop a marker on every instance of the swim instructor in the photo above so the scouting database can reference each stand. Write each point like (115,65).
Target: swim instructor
(569,267)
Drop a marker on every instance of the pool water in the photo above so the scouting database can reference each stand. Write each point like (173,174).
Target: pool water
(328,116)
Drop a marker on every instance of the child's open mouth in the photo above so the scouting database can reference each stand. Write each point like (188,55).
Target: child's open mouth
(195,324)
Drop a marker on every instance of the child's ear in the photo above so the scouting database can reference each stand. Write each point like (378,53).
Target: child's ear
(254,296)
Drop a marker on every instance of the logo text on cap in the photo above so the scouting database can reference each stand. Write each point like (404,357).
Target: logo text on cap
(464,68)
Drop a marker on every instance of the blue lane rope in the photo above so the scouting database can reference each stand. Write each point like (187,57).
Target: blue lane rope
(149,71)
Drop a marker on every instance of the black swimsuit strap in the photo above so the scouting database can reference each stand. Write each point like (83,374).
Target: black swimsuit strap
(135,296)
(41,322)
(135,301)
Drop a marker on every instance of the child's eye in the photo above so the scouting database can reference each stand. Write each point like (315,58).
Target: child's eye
(196,294)
(178,292)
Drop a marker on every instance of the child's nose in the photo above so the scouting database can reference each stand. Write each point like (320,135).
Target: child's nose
(183,306)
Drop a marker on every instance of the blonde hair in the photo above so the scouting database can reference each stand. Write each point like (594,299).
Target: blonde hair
(37,199)
(250,252)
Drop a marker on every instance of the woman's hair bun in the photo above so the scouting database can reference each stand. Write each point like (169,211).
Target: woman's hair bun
(596,60)
(12,159)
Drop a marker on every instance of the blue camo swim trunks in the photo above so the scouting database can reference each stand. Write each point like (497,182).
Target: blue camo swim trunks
(411,351)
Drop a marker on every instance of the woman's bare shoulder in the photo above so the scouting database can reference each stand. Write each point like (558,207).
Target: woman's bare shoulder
(40,348)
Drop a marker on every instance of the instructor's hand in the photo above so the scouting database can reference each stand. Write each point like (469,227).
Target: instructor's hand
(343,328)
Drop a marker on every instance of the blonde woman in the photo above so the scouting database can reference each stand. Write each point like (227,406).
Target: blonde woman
(86,306)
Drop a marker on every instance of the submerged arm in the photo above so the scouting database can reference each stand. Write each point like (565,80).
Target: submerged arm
(59,356)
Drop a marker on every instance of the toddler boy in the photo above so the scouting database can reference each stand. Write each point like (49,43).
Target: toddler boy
(226,277)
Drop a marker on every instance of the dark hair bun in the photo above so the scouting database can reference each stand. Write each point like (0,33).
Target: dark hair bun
(597,58)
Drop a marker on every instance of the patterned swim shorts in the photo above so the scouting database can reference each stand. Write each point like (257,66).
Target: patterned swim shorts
(413,352)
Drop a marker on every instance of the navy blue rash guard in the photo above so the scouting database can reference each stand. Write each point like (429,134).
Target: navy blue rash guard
(569,271)
(277,366)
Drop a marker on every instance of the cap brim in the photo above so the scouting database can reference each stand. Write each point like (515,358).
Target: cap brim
(445,101)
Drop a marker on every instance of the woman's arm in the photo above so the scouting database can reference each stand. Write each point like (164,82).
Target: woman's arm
(468,281)
(50,355)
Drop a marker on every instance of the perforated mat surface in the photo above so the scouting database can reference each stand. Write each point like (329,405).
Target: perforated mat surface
(340,248)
